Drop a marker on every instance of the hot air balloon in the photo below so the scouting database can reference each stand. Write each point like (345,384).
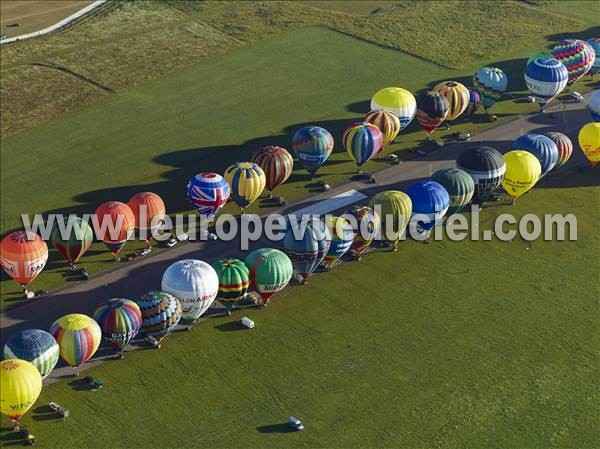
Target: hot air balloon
(540,54)
(594,105)
(270,272)
(595,44)
(312,146)
(342,237)
(195,283)
(368,225)
(459,185)
(387,122)
(161,312)
(457,96)
(120,321)
(545,78)
(234,279)
(247,181)
(149,213)
(491,82)
(474,100)
(430,199)
(78,336)
(486,166)
(35,346)
(23,255)
(362,141)
(577,56)
(78,238)
(397,100)
(394,209)
(115,225)
(432,110)
(21,384)
(523,170)
(208,193)
(541,147)
(307,246)
(563,145)
(276,162)
(589,141)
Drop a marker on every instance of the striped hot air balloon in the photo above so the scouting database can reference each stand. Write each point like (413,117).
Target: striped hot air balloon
(545,78)
(486,166)
(362,141)
(208,193)
(23,255)
(276,162)
(161,312)
(120,321)
(118,217)
(577,56)
(312,145)
(541,147)
(563,145)
(368,225)
(397,100)
(595,44)
(432,110)
(270,272)
(491,82)
(247,181)
(78,337)
(306,246)
(234,279)
(460,187)
(387,122)
(78,236)
(474,100)
(457,96)
(35,346)
(342,237)
(395,209)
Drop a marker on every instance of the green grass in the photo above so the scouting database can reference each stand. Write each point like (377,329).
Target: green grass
(469,345)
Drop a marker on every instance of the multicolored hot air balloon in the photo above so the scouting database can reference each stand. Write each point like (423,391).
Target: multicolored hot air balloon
(594,105)
(307,245)
(577,56)
(270,272)
(523,170)
(115,225)
(457,95)
(234,279)
(276,162)
(35,346)
(23,255)
(387,122)
(247,181)
(459,185)
(312,145)
(368,225)
(342,237)
(486,166)
(149,213)
(208,193)
(589,141)
(394,209)
(21,384)
(474,100)
(491,82)
(397,100)
(78,337)
(541,147)
(161,312)
(79,238)
(362,141)
(120,321)
(563,145)
(432,110)
(195,283)
(429,199)
(545,78)
(595,44)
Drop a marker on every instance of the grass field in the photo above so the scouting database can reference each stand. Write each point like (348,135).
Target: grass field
(470,345)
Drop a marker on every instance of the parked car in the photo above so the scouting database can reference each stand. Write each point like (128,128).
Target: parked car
(464,137)
(576,96)
(247,322)
(93,383)
(530,99)
(84,274)
(41,293)
(171,242)
(59,409)
(145,251)
(295,423)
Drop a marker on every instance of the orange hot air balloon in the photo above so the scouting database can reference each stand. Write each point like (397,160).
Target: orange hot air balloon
(149,211)
(23,256)
(114,226)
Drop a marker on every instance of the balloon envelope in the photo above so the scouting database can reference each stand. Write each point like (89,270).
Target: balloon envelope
(387,122)
(486,166)
(541,147)
(341,240)
(394,209)
(306,246)
(459,185)
(78,236)
(120,321)
(545,78)
(276,162)
(21,384)
(161,312)
(491,82)
(594,105)
(430,199)
(148,211)
(78,336)
(432,110)
(115,225)
(312,145)
(23,256)
(523,170)
(563,145)
(208,193)
(474,100)
(247,181)
(457,95)
(577,56)
(362,141)
(234,279)
(270,271)
(589,141)
(35,346)
(367,227)
(595,44)
(397,100)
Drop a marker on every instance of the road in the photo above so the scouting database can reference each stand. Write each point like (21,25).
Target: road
(135,278)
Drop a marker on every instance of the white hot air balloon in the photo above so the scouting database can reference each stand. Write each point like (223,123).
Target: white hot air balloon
(195,283)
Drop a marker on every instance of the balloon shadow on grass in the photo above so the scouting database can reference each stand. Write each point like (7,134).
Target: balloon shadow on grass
(276,428)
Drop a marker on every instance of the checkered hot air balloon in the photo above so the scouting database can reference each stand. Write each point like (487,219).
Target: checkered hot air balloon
(578,57)
(208,193)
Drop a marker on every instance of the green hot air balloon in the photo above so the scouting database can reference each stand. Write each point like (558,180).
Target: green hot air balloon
(270,272)
(78,237)
(234,278)
(460,186)
(394,209)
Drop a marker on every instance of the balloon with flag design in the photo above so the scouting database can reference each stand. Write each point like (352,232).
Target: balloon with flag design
(208,193)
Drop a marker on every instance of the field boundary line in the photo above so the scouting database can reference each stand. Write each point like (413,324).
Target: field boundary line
(67,71)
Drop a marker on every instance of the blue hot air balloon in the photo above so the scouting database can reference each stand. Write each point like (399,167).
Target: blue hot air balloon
(306,244)
(35,346)
(208,193)
(428,198)
(541,147)
(491,82)
(312,145)
(545,78)
(595,44)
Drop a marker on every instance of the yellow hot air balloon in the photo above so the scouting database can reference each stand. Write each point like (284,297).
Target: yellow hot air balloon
(523,170)
(247,181)
(20,385)
(589,141)
(395,209)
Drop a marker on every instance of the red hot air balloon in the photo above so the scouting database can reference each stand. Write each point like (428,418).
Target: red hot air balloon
(23,256)
(115,225)
(149,212)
